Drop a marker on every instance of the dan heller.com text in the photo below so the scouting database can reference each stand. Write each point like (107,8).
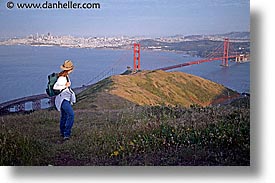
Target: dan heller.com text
(55,5)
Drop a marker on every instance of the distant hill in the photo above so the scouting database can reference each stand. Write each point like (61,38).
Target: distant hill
(200,45)
(236,35)
(152,88)
(230,35)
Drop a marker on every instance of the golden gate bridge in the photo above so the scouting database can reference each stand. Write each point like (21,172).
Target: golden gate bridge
(223,52)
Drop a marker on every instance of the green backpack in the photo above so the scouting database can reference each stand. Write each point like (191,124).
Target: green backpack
(52,78)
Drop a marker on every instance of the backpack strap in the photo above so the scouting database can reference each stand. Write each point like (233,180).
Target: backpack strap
(69,87)
(67,78)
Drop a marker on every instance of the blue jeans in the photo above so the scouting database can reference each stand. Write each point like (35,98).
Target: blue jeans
(67,118)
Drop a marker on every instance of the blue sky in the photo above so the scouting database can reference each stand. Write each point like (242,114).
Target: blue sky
(129,18)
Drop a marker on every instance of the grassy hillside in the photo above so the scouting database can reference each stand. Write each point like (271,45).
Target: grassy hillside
(112,129)
(133,136)
(153,88)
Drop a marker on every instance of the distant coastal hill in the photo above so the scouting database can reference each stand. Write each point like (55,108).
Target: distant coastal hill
(200,45)
(230,35)
(153,88)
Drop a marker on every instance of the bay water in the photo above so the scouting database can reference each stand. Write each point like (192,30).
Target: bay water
(24,69)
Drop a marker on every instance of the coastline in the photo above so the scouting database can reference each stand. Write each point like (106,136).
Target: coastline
(126,48)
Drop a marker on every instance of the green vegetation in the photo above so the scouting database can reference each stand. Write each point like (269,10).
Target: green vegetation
(111,130)
(135,136)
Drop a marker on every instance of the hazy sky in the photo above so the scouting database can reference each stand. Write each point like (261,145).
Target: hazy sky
(128,17)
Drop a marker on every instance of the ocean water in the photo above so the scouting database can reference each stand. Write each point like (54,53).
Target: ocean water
(24,69)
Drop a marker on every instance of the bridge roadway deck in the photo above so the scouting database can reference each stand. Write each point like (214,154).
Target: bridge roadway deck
(33,98)
(23,100)
(192,63)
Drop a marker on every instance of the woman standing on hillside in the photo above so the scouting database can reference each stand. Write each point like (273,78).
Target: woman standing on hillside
(65,99)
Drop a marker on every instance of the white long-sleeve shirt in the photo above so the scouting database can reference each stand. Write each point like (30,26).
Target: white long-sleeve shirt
(67,93)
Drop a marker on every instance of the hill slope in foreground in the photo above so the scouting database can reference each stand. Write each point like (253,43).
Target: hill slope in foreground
(111,129)
(153,88)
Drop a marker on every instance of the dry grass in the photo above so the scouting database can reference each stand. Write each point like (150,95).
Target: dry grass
(152,88)
(167,88)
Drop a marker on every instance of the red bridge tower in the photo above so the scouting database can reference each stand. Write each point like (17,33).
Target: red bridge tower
(136,56)
(225,52)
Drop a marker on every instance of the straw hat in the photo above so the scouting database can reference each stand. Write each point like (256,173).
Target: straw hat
(68,65)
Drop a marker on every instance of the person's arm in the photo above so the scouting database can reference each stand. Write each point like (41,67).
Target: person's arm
(61,83)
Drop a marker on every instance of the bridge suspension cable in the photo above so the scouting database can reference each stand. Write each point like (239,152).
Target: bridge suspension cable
(111,70)
(218,51)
